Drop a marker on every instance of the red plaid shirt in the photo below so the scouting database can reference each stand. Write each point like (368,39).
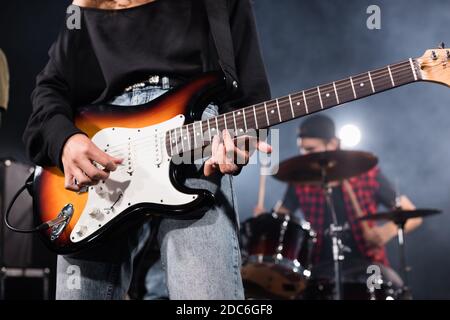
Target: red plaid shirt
(312,203)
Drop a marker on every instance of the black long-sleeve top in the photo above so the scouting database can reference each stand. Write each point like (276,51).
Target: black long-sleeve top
(113,49)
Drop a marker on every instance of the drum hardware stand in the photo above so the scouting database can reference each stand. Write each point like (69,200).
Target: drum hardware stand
(406,292)
(335,233)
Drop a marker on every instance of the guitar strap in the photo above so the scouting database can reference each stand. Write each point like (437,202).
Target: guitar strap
(219,23)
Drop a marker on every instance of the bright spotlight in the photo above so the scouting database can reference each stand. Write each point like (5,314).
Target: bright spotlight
(350,135)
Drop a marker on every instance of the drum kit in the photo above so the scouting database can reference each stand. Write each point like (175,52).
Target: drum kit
(277,247)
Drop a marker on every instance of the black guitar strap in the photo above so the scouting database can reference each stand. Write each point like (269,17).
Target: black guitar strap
(219,23)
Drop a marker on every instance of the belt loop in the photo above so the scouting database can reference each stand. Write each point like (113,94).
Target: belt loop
(165,83)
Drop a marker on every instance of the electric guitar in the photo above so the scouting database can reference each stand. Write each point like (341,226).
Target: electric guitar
(150,136)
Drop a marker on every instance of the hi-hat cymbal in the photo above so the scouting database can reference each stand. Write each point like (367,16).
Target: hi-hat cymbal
(401,215)
(338,165)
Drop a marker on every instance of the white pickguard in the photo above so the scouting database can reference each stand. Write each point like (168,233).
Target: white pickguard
(143,176)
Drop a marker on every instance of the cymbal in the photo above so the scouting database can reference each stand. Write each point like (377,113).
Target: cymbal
(338,165)
(401,215)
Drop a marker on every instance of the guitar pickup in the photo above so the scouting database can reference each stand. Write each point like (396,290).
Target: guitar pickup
(158,143)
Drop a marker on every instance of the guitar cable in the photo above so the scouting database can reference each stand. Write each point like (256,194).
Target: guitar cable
(26,186)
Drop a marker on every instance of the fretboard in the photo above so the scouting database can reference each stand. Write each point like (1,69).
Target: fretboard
(269,113)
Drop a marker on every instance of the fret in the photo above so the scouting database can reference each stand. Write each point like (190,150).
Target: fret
(353,88)
(234,121)
(250,118)
(278,108)
(267,117)
(195,143)
(256,119)
(195,136)
(381,80)
(371,82)
(209,130)
(413,69)
(328,95)
(362,85)
(181,138)
(306,103)
(239,123)
(245,120)
(225,121)
(218,131)
(199,133)
(229,121)
(298,102)
(272,112)
(286,110)
(344,91)
(335,92)
(188,137)
(402,73)
(176,141)
(312,99)
(214,130)
(261,115)
(390,74)
(170,141)
(320,97)
(292,108)
(205,139)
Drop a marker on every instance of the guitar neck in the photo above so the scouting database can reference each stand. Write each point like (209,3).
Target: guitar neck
(292,106)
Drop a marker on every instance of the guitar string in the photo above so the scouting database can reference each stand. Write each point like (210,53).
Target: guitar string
(260,113)
(261,110)
(394,69)
(221,120)
(220,123)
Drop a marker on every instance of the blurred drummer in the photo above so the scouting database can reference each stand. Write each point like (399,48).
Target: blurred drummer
(360,195)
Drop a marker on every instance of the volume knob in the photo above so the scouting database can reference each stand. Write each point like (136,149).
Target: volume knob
(96,214)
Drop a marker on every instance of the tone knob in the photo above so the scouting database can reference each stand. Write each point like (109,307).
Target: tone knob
(81,231)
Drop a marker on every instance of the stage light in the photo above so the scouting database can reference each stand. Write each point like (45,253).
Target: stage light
(350,135)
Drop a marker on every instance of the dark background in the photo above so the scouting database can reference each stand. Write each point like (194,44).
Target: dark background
(306,43)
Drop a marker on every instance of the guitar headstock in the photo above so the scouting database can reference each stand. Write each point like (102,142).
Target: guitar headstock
(434,65)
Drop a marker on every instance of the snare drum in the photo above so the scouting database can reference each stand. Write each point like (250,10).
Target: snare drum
(276,254)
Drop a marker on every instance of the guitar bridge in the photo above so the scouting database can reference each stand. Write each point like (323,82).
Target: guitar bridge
(60,223)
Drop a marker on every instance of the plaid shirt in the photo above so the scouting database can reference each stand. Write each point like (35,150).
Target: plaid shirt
(312,203)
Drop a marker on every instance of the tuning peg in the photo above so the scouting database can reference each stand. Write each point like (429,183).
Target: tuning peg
(442,45)
(434,55)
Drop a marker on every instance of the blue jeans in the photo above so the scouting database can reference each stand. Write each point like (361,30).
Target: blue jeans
(200,258)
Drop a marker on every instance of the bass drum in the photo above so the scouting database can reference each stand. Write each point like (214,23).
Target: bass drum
(276,256)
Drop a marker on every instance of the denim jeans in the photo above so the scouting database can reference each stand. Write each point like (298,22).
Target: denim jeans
(200,258)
